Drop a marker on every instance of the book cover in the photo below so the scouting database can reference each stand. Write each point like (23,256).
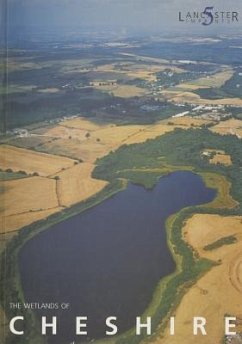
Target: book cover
(120,172)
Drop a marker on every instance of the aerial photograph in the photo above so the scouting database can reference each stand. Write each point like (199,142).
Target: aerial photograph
(121,172)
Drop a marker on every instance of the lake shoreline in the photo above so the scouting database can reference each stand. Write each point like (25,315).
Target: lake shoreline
(104,194)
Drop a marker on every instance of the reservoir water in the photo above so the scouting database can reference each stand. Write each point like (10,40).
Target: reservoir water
(107,260)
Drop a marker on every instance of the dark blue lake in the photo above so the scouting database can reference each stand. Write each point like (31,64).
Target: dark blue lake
(108,260)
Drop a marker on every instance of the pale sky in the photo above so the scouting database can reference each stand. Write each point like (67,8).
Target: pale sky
(131,15)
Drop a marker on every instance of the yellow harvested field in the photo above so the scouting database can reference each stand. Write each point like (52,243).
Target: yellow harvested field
(115,136)
(22,206)
(215,80)
(28,194)
(20,159)
(192,98)
(88,150)
(216,293)
(82,123)
(203,229)
(226,101)
(144,132)
(218,156)
(61,131)
(123,91)
(148,72)
(188,87)
(111,67)
(223,159)
(103,139)
(181,97)
(81,139)
(13,223)
(230,123)
(187,121)
(144,71)
(151,133)
(229,127)
(76,184)
(128,91)
(162,127)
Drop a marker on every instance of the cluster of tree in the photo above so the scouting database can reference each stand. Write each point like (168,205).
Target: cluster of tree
(180,147)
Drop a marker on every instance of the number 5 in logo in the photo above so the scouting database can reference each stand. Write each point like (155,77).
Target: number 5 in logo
(209,16)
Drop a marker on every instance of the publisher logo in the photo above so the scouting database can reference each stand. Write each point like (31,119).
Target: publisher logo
(209,16)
